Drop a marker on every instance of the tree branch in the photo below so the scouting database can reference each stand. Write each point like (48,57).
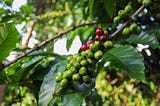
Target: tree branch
(132,17)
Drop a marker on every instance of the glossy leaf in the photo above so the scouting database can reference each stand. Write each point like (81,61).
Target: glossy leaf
(145,38)
(8,39)
(110,7)
(127,59)
(49,85)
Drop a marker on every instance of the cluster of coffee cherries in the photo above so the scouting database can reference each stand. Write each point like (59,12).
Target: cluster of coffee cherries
(123,13)
(146,3)
(133,28)
(81,67)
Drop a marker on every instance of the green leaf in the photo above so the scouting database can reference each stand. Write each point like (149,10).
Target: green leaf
(70,39)
(49,85)
(73,99)
(87,32)
(8,39)
(145,38)
(110,7)
(127,59)
(91,4)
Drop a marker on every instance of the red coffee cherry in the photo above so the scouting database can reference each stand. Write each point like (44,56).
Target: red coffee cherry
(99,31)
(85,47)
(103,38)
(90,42)
(97,38)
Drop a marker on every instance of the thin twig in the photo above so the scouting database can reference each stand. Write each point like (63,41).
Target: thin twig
(30,32)
(132,17)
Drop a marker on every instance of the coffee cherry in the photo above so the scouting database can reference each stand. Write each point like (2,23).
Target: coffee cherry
(68,66)
(122,13)
(84,47)
(90,61)
(138,30)
(58,78)
(98,54)
(60,74)
(140,1)
(84,63)
(99,31)
(89,53)
(76,77)
(64,83)
(128,8)
(132,27)
(69,58)
(87,79)
(94,46)
(103,38)
(83,71)
(67,74)
(90,42)
(79,58)
(116,19)
(97,38)
(76,65)
(73,69)
(108,44)
(126,31)
(146,3)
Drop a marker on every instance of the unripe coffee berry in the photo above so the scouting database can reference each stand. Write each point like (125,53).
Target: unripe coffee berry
(84,62)
(108,44)
(116,19)
(99,31)
(64,83)
(76,77)
(87,79)
(122,13)
(98,54)
(58,78)
(83,71)
(146,3)
(126,31)
(128,8)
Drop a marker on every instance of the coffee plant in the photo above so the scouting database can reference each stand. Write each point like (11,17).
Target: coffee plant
(117,63)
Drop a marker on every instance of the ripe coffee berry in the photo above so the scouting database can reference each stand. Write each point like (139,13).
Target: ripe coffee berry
(84,47)
(97,38)
(99,31)
(90,42)
(103,38)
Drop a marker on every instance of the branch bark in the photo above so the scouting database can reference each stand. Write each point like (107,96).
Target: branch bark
(132,17)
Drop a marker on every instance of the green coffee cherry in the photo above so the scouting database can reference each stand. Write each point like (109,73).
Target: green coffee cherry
(67,74)
(89,54)
(128,8)
(90,61)
(58,78)
(94,47)
(64,83)
(116,19)
(69,58)
(133,27)
(126,31)
(68,66)
(60,74)
(79,58)
(76,65)
(76,77)
(140,1)
(87,79)
(138,30)
(83,71)
(73,69)
(98,54)
(108,44)
(146,3)
(84,62)
(122,13)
